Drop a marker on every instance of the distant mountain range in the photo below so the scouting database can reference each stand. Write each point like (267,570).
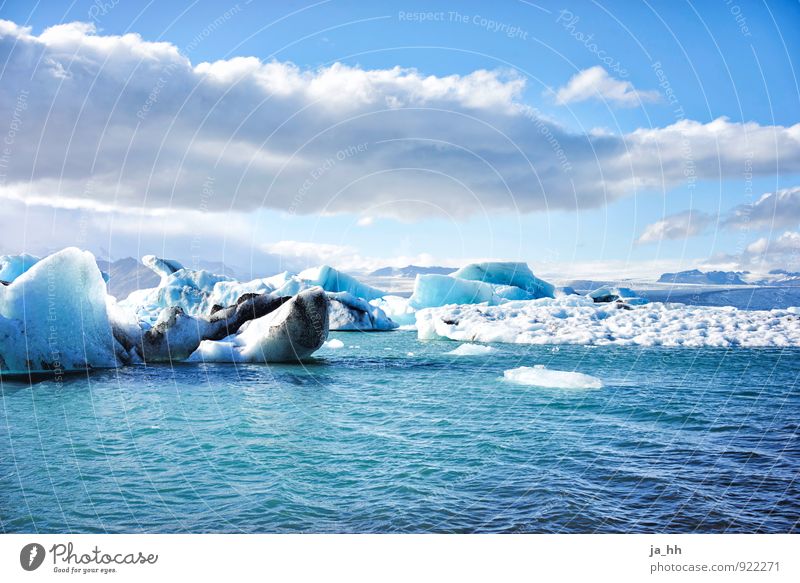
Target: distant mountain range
(410,271)
(704,277)
(776,277)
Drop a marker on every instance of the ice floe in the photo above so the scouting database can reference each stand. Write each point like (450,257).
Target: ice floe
(334,344)
(578,320)
(472,350)
(540,376)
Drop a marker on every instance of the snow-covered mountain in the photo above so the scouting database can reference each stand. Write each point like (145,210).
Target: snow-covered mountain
(704,277)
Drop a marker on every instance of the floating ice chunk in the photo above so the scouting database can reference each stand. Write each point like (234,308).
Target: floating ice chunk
(397,309)
(433,290)
(174,337)
(334,343)
(289,334)
(348,312)
(332,280)
(12,266)
(626,295)
(507,274)
(227,293)
(187,289)
(577,320)
(472,350)
(565,291)
(53,317)
(511,293)
(539,376)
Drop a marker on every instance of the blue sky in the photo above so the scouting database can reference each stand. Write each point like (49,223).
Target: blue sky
(467,152)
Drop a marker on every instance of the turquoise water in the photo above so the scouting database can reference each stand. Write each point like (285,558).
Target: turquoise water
(370,438)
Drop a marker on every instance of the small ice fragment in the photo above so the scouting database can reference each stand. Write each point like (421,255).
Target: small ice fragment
(539,376)
(334,343)
(472,350)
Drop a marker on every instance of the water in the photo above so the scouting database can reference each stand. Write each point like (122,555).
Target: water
(371,439)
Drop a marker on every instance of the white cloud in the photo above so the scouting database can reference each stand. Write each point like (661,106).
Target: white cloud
(148,130)
(762,255)
(676,226)
(773,210)
(787,243)
(596,83)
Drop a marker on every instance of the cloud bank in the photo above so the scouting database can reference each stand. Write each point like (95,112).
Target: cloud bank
(120,123)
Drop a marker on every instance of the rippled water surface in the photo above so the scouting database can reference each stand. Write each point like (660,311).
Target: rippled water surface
(390,434)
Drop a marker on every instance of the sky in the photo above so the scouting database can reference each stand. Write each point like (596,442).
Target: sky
(589,139)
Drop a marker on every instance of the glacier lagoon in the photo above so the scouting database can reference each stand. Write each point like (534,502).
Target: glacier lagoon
(293,403)
(389,433)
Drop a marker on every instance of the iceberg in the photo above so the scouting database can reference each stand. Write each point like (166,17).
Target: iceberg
(53,317)
(332,280)
(348,312)
(185,288)
(289,334)
(12,266)
(57,316)
(477,283)
(513,274)
(433,290)
(540,376)
(605,295)
(163,267)
(397,309)
(578,320)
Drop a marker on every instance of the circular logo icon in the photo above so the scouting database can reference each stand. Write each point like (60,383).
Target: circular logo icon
(31,556)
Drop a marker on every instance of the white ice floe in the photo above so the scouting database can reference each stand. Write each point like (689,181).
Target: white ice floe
(540,376)
(334,344)
(472,350)
(578,320)
(53,317)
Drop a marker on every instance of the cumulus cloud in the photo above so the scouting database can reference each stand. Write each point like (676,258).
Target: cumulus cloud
(676,226)
(120,123)
(788,242)
(762,255)
(596,83)
(779,209)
